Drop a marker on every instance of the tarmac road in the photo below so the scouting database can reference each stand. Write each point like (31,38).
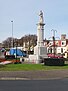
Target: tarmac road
(34,85)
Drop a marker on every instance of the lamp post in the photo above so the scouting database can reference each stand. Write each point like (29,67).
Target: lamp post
(12,35)
(54,39)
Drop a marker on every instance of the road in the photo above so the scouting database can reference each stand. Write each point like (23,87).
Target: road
(34,85)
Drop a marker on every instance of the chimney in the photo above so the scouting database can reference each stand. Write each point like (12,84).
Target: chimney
(63,37)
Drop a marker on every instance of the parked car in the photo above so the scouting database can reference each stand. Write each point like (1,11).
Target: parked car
(51,55)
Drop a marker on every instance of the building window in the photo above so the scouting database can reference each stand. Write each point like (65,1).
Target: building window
(61,50)
(50,50)
(62,43)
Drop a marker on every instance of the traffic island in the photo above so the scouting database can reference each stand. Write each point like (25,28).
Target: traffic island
(54,61)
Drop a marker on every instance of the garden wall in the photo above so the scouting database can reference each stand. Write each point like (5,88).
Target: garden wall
(54,61)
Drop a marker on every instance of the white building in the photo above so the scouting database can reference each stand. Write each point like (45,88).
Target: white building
(61,46)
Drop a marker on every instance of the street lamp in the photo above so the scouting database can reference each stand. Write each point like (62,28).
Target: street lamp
(54,39)
(54,32)
(12,34)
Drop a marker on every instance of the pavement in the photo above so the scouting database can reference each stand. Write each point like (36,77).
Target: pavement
(33,75)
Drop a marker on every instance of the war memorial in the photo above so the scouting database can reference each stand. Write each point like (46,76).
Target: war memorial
(40,51)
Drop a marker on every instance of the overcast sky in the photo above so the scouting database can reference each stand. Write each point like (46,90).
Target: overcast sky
(24,14)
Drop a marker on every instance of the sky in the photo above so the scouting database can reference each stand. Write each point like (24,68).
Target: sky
(25,16)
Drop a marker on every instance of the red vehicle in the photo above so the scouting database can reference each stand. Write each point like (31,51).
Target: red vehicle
(55,56)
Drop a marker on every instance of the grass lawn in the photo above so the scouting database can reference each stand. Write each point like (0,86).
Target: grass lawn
(26,67)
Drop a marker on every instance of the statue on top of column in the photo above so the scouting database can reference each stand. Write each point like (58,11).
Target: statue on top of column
(41,17)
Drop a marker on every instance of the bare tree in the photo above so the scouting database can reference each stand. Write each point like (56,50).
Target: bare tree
(30,40)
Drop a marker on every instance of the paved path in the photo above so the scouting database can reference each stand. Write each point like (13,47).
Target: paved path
(33,75)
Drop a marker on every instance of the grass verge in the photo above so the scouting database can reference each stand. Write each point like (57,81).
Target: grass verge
(28,67)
